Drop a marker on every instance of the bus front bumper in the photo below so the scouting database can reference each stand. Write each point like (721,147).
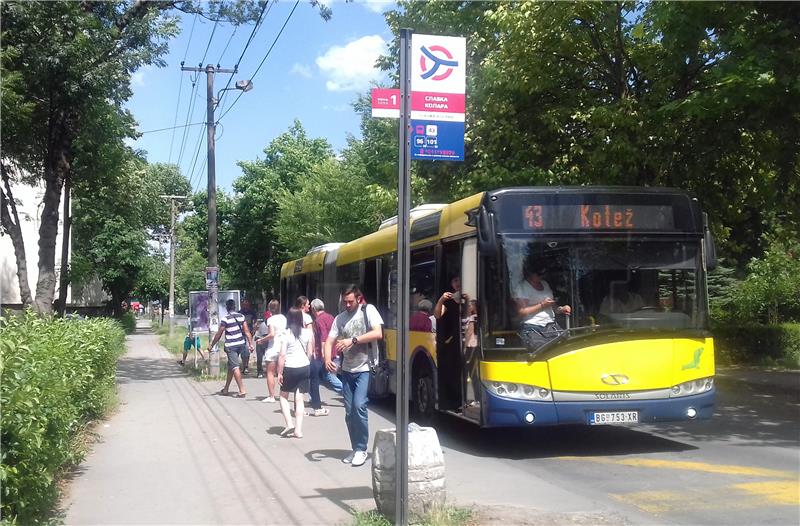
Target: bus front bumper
(504,412)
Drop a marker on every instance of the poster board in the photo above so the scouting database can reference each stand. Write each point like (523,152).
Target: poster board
(198,309)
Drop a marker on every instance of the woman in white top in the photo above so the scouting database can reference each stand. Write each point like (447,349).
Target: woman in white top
(535,306)
(293,371)
(276,325)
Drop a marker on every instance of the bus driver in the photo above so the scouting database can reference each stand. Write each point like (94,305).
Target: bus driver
(535,303)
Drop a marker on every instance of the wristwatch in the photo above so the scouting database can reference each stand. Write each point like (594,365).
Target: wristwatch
(354,340)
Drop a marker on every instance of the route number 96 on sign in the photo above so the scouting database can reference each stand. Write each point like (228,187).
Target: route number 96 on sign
(614,417)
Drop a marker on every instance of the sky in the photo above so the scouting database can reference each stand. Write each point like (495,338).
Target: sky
(314,73)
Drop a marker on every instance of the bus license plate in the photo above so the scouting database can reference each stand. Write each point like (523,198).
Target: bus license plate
(614,417)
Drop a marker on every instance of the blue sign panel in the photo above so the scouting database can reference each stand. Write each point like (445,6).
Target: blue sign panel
(437,140)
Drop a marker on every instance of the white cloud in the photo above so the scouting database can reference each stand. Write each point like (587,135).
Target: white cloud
(377,6)
(352,67)
(300,70)
(137,78)
(337,107)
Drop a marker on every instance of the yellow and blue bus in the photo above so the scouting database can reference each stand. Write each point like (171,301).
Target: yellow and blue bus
(651,361)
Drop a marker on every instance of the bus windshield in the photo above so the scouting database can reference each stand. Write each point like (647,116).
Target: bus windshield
(608,283)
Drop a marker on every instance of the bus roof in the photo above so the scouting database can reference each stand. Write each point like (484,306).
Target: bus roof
(449,221)
(312,262)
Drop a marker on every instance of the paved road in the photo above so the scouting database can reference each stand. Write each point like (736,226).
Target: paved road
(175,453)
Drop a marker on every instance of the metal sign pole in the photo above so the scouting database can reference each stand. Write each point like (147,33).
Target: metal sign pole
(403,264)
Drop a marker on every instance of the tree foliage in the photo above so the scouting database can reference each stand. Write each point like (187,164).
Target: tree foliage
(701,96)
(66,69)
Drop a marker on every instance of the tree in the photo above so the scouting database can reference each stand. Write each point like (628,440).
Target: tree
(66,68)
(333,203)
(152,282)
(699,96)
(256,253)
(71,63)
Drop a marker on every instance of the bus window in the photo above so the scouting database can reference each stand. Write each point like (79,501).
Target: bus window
(421,277)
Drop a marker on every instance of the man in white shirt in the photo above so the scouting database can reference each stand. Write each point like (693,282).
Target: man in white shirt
(352,339)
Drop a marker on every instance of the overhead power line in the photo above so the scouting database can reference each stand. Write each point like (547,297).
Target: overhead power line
(172,128)
(180,89)
(194,91)
(278,36)
(265,9)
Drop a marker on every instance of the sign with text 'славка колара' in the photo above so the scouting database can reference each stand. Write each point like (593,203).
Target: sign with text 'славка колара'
(438,97)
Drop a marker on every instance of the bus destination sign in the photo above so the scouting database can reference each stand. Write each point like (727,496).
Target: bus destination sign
(592,217)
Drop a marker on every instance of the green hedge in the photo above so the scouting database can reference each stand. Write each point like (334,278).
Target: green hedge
(56,376)
(128,321)
(759,344)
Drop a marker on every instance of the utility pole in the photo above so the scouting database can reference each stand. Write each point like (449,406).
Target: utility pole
(173,213)
(211,128)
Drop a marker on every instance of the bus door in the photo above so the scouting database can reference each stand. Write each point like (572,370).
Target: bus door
(470,323)
(448,330)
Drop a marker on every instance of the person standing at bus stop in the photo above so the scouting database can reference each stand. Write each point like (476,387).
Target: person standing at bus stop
(449,361)
(352,334)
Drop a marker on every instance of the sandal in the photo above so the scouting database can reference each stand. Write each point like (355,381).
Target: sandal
(287,432)
(240,395)
(223,392)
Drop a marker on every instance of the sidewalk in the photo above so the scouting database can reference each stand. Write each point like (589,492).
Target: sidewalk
(175,453)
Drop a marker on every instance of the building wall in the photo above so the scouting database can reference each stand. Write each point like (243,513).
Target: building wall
(29,208)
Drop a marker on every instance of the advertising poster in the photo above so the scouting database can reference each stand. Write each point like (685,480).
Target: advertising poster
(198,308)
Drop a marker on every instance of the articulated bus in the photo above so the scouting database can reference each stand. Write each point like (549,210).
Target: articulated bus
(613,360)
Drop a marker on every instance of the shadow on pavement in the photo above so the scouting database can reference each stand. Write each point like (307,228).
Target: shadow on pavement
(319,454)
(767,415)
(136,369)
(339,496)
(540,442)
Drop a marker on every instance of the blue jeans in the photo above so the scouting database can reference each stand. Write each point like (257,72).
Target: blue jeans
(354,389)
(320,374)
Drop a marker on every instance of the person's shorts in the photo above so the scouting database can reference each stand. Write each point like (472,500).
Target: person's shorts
(271,355)
(295,378)
(233,352)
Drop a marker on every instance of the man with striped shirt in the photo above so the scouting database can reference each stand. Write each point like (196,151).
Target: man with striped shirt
(237,341)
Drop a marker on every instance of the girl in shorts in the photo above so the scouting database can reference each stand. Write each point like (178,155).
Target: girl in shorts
(293,370)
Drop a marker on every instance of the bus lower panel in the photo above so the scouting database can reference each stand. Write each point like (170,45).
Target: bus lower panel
(502,412)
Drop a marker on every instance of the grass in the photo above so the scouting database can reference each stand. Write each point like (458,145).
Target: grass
(174,344)
(444,516)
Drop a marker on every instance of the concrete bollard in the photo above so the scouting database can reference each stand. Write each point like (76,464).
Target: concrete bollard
(426,472)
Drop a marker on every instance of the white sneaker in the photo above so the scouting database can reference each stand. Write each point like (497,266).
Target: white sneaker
(269,400)
(349,458)
(359,458)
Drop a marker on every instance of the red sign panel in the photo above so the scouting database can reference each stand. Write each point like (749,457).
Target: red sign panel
(386,102)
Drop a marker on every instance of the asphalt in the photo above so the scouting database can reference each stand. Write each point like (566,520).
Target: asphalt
(177,453)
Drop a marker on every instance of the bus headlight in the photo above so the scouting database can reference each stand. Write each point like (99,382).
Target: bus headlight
(692,387)
(519,391)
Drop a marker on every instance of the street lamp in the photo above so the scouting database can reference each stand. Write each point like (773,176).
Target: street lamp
(241,85)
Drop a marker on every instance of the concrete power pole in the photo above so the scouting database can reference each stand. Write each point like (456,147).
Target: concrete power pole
(213,290)
(173,213)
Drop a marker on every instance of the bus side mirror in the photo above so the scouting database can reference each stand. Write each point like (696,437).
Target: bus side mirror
(709,247)
(487,237)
